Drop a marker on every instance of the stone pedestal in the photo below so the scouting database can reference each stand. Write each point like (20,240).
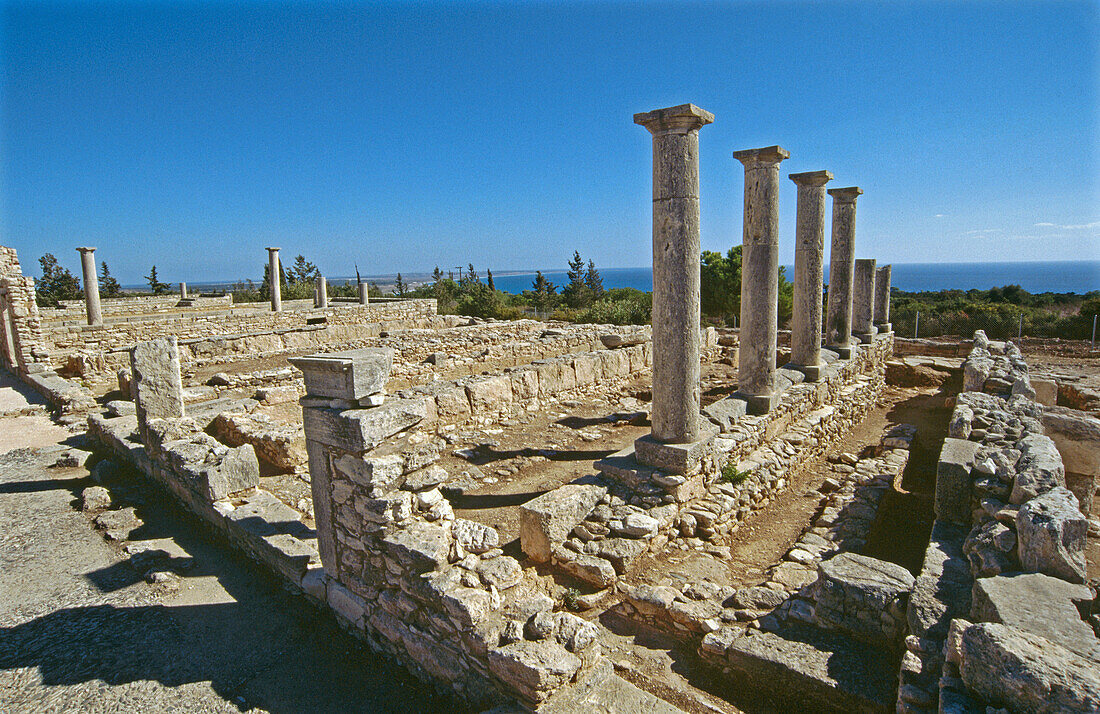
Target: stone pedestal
(676,313)
(863,301)
(155,383)
(364,294)
(91,286)
(759,277)
(809,252)
(882,299)
(274,283)
(838,314)
(321,300)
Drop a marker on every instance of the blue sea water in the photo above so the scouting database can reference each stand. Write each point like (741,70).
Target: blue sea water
(1035,277)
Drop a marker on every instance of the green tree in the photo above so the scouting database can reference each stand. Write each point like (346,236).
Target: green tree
(155,284)
(593,281)
(400,287)
(302,271)
(576,293)
(543,293)
(108,286)
(489,280)
(437,274)
(57,283)
(720,284)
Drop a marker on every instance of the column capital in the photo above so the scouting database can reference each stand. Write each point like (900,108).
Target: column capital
(846,195)
(86,249)
(812,178)
(274,250)
(674,120)
(768,155)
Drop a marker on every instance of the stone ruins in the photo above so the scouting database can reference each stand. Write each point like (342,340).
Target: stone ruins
(365,452)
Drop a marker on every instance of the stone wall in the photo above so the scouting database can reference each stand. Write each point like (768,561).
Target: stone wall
(1007,547)
(23,347)
(75,311)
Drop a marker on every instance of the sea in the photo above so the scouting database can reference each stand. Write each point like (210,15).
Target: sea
(1079,276)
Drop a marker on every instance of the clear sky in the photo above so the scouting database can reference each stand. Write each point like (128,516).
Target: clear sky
(400,136)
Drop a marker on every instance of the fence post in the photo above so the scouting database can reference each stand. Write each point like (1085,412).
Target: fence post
(1020,332)
(916,325)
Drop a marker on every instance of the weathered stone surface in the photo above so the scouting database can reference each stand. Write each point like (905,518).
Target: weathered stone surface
(613,340)
(489,394)
(420,547)
(501,572)
(1038,470)
(1077,436)
(862,596)
(1052,534)
(156,385)
(94,498)
(350,375)
(358,430)
(475,537)
(533,669)
(759,598)
(1038,604)
(652,600)
(1025,672)
(725,412)
(546,520)
(620,552)
(953,480)
(590,568)
(237,470)
(804,669)
(571,632)
(942,590)
(375,474)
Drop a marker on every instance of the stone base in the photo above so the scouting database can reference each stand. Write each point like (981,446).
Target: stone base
(843,351)
(884,327)
(813,372)
(866,338)
(676,458)
(759,403)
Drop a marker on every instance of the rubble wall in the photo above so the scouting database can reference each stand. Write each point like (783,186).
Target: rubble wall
(23,346)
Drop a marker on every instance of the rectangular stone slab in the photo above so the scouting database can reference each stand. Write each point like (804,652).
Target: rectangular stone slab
(953,480)
(351,375)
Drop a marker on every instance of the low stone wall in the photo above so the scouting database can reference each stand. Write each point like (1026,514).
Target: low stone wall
(1006,547)
(119,336)
(74,311)
(764,452)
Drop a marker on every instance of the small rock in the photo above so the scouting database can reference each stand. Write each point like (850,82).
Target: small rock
(95,498)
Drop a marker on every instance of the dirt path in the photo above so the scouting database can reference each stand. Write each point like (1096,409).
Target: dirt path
(80,630)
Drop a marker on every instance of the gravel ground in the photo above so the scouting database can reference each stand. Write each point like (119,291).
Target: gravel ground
(80,630)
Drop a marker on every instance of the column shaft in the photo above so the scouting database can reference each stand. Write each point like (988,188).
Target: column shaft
(863,300)
(364,294)
(183,291)
(91,286)
(274,280)
(882,298)
(322,292)
(759,277)
(809,253)
(676,313)
(838,323)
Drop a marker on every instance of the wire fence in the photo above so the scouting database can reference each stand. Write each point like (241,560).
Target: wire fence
(996,326)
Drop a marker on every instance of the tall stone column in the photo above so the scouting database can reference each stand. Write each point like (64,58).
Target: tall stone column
(863,301)
(322,292)
(91,286)
(183,291)
(759,277)
(838,314)
(274,282)
(364,294)
(809,255)
(882,299)
(676,314)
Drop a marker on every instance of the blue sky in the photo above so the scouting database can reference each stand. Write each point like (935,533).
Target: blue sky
(400,136)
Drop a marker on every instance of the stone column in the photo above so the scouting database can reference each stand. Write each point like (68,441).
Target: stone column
(364,294)
(838,314)
(183,291)
(882,299)
(91,286)
(759,277)
(863,301)
(809,254)
(274,282)
(676,315)
(322,292)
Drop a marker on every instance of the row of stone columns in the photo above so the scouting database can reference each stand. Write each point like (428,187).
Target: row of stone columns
(856,299)
(320,290)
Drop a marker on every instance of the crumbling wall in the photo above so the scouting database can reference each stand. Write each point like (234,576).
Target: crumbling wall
(74,311)
(994,617)
(23,346)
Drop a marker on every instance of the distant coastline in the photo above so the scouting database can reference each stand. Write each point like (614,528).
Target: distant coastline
(1073,276)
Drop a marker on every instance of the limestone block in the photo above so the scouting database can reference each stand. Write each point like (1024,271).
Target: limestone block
(1038,470)
(615,364)
(1038,604)
(375,474)
(155,384)
(620,552)
(588,368)
(547,520)
(1046,391)
(238,470)
(525,383)
(591,569)
(614,340)
(1002,664)
(501,572)
(942,591)
(475,537)
(854,592)
(358,430)
(571,632)
(555,376)
(346,604)
(533,670)
(451,401)
(725,412)
(1077,436)
(976,370)
(489,394)
(952,500)
(1052,533)
(420,547)
(347,375)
